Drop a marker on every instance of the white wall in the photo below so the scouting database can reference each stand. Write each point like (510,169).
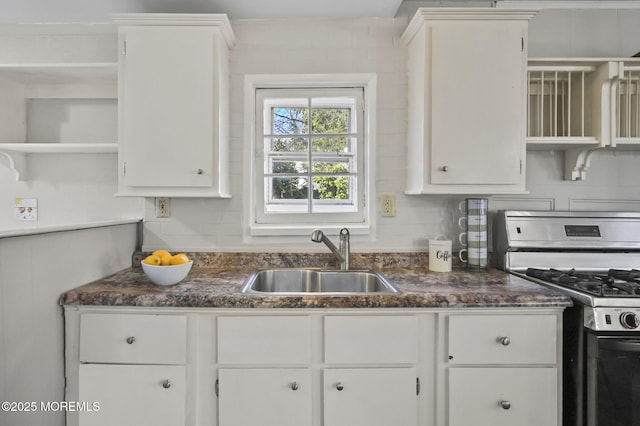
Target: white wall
(34,271)
(373,45)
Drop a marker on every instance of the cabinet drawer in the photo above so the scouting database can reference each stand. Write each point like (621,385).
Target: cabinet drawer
(133,339)
(502,339)
(264,340)
(516,396)
(371,339)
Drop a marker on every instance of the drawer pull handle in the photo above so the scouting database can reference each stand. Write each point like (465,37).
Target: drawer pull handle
(504,340)
(445,168)
(199,171)
(294,386)
(339,386)
(166,384)
(130,340)
(505,404)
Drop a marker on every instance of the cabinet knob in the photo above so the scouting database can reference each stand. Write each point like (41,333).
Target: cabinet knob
(445,168)
(339,386)
(199,171)
(130,340)
(166,384)
(294,386)
(505,404)
(504,340)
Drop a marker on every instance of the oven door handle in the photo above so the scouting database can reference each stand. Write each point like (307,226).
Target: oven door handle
(620,345)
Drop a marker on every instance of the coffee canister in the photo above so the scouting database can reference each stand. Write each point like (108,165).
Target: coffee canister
(440,254)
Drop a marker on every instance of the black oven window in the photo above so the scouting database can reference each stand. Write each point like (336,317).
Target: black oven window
(616,368)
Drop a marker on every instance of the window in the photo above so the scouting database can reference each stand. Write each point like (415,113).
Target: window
(310,166)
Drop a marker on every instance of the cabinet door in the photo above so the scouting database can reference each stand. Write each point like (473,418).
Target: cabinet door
(503,396)
(252,397)
(132,395)
(370,396)
(167,112)
(477,133)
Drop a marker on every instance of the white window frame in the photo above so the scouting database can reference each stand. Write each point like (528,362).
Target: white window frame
(254,159)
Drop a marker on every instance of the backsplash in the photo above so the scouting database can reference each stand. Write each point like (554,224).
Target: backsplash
(237,260)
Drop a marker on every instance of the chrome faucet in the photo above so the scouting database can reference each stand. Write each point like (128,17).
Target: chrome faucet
(342,254)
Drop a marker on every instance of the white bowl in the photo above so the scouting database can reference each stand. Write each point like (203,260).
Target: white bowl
(166,275)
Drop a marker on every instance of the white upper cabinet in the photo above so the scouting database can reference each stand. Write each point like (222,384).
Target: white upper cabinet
(174,105)
(467,90)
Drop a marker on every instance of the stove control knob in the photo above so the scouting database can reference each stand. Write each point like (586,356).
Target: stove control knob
(629,320)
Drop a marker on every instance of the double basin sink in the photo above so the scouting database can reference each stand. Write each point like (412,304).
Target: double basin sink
(309,281)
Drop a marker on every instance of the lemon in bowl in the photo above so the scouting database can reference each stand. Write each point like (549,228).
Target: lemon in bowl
(166,272)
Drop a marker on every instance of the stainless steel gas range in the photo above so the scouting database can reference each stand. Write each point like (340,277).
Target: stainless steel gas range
(593,257)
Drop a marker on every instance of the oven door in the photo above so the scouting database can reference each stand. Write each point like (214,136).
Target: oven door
(613,379)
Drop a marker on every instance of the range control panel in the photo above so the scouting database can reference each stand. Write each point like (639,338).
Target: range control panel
(612,319)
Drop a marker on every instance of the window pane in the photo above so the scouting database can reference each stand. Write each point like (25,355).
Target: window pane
(332,144)
(331,120)
(332,188)
(332,167)
(289,120)
(287,188)
(278,166)
(288,144)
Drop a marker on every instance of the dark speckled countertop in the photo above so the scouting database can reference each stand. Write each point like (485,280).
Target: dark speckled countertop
(216,278)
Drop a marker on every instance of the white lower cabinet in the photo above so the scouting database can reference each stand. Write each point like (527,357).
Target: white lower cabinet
(132,395)
(130,368)
(503,396)
(308,367)
(503,369)
(370,396)
(258,396)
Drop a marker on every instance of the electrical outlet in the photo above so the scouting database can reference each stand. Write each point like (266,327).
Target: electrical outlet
(162,207)
(26,209)
(388,205)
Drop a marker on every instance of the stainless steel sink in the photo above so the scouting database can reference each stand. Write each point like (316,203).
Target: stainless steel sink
(305,281)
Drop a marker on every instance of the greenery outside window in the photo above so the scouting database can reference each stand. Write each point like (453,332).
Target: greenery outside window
(309,165)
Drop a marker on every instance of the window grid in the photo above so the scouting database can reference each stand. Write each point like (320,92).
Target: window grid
(307,161)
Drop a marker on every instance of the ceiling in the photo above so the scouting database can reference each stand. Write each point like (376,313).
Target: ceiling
(23,11)
(18,11)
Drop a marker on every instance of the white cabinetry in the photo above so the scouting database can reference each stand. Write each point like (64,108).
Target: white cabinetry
(133,394)
(174,105)
(370,396)
(133,366)
(279,394)
(305,367)
(58,98)
(272,396)
(383,390)
(370,380)
(467,87)
(517,355)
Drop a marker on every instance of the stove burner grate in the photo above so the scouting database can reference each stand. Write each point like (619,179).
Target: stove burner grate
(615,283)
